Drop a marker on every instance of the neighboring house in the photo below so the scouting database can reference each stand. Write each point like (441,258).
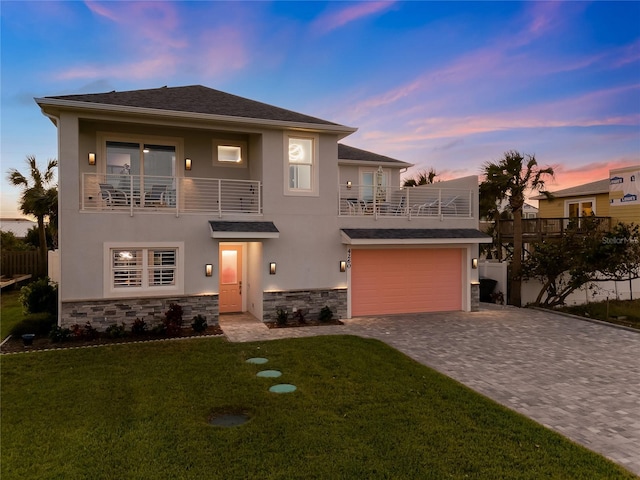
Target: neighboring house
(223,204)
(18,226)
(617,197)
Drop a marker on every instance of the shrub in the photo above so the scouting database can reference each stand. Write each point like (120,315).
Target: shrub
(59,334)
(299,315)
(139,327)
(325,314)
(116,331)
(173,320)
(199,323)
(282,316)
(40,296)
(85,332)
(38,323)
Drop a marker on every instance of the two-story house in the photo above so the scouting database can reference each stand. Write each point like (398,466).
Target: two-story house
(617,197)
(224,204)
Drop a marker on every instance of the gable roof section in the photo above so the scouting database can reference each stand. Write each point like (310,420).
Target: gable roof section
(592,188)
(415,236)
(356,155)
(192,99)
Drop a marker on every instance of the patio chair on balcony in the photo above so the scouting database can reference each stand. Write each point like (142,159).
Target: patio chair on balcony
(113,197)
(401,207)
(427,208)
(450,206)
(353,205)
(156,197)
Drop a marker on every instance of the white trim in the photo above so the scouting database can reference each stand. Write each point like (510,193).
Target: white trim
(241,144)
(110,292)
(245,235)
(315,165)
(579,201)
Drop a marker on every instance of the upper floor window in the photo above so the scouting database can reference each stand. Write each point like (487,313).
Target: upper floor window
(580,208)
(229,153)
(301,165)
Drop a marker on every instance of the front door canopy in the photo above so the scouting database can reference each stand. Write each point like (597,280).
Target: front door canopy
(412,236)
(243,230)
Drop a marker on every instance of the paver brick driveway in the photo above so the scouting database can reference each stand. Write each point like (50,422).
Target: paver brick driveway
(579,378)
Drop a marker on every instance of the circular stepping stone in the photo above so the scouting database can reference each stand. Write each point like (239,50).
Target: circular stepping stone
(257,360)
(269,374)
(229,420)
(283,388)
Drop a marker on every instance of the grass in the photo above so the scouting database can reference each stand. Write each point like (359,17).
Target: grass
(10,312)
(362,410)
(616,309)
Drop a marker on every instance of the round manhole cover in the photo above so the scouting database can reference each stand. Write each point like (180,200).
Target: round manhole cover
(269,374)
(257,360)
(283,388)
(229,419)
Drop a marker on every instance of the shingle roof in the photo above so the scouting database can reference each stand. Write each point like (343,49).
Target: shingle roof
(592,188)
(195,99)
(345,152)
(412,233)
(226,226)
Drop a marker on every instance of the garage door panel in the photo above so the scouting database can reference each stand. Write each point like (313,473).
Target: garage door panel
(405,280)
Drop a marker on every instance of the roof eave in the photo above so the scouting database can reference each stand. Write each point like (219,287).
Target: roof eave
(341,130)
(397,164)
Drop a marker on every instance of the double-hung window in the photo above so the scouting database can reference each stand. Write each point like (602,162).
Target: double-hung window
(301,165)
(143,270)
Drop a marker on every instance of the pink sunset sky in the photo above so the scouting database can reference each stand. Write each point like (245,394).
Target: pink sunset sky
(444,85)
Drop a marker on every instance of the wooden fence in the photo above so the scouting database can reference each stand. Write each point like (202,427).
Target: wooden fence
(16,263)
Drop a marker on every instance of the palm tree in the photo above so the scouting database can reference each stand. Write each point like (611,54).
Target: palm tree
(510,179)
(38,197)
(423,178)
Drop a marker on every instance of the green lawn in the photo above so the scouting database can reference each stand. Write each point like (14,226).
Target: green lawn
(11,312)
(362,411)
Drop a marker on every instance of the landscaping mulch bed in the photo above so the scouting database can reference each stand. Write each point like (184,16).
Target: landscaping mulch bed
(16,345)
(292,324)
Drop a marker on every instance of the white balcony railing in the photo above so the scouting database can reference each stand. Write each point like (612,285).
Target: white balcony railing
(136,193)
(367,200)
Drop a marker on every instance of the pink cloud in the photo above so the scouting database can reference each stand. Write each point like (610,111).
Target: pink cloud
(351,13)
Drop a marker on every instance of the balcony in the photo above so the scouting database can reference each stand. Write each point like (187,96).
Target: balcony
(136,194)
(538,229)
(408,202)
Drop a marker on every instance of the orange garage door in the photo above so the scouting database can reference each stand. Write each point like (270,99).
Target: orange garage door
(405,281)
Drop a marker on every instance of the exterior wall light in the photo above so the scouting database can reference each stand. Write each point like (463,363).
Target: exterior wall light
(474,263)
(272,268)
(349,184)
(92,158)
(187,164)
(343,266)
(208,269)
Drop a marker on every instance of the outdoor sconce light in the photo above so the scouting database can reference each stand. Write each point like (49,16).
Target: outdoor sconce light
(272,268)
(92,158)
(349,184)
(474,263)
(343,266)
(208,269)
(187,164)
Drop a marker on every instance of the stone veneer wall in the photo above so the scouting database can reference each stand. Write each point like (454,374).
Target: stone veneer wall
(102,313)
(475,297)
(310,300)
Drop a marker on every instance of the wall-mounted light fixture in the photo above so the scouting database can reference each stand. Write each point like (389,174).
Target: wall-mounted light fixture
(187,164)
(272,268)
(343,266)
(208,269)
(92,158)
(474,263)
(349,184)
